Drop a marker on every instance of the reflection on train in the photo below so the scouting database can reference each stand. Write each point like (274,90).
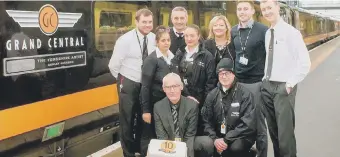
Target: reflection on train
(81,100)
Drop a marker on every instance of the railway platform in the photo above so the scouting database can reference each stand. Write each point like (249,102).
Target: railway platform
(317,107)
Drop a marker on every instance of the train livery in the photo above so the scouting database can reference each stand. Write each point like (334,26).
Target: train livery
(58,97)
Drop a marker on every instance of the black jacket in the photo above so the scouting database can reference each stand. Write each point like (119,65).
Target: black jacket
(204,77)
(229,52)
(153,71)
(239,113)
(176,42)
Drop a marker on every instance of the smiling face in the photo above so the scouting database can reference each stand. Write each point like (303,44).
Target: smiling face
(145,24)
(270,10)
(219,28)
(245,11)
(179,19)
(172,86)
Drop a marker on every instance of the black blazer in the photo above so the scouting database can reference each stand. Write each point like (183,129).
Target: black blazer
(153,71)
(187,118)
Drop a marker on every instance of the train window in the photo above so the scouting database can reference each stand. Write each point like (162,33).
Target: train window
(113,19)
(231,12)
(165,8)
(209,9)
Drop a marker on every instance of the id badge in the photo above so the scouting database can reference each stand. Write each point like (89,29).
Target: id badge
(243,60)
(185,81)
(223,129)
(178,139)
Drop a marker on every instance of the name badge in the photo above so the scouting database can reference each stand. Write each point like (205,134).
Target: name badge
(235,104)
(223,129)
(185,81)
(235,114)
(243,60)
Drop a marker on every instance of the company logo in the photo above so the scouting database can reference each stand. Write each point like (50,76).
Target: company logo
(168,147)
(48,19)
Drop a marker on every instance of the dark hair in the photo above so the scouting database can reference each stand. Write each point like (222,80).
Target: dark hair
(251,2)
(195,27)
(144,12)
(160,30)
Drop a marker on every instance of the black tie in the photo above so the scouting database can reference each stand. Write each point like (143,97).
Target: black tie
(175,117)
(145,48)
(180,35)
(270,55)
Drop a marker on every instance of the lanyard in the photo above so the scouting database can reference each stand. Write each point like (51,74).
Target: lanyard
(232,99)
(140,46)
(243,47)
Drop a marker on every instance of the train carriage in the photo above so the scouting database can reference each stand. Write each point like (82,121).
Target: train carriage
(57,94)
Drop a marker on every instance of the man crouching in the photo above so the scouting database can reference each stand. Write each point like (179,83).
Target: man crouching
(176,116)
(228,116)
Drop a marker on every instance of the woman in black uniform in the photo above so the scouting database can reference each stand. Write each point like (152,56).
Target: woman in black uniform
(219,42)
(155,67)
(196,66)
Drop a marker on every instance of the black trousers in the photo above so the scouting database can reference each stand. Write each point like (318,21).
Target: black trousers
(261,128)
(204,147)
(279,110)
(149,131)
(129,115)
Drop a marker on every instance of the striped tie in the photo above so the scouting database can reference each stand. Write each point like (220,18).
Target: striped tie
(175,116)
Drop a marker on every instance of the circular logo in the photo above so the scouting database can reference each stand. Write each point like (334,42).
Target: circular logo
(48,19)
(168,147)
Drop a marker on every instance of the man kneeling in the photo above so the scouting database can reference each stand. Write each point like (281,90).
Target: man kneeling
(228,116)
(176,116)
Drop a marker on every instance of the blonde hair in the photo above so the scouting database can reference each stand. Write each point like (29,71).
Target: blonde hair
(226,22)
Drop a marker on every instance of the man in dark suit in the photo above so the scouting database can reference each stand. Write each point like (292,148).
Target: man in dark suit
(176,116)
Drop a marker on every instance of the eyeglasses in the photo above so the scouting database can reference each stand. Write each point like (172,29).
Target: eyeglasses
(173,87)
(224,73)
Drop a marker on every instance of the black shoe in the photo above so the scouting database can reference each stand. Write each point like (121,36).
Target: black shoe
(252,152)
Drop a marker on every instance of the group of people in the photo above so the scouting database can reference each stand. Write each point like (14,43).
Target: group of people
(214,95)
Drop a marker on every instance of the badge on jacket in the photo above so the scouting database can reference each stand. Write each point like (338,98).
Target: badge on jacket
(243,60)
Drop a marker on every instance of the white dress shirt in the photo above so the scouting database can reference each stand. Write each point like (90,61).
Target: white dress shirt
(127,54)
(291,62)
(188,56)
(176,32)
(168,59)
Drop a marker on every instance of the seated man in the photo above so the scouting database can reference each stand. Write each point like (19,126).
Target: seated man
(228,116)
(176,116)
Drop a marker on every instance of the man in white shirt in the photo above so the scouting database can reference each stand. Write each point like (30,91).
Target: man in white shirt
(125,65)
(287,64)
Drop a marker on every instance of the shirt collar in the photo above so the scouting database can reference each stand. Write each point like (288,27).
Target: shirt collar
(194,51)
(140,35)
(160,54)
(249,24)
(176,32)
(278,24)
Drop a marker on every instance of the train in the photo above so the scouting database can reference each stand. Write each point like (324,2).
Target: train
(58,97)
